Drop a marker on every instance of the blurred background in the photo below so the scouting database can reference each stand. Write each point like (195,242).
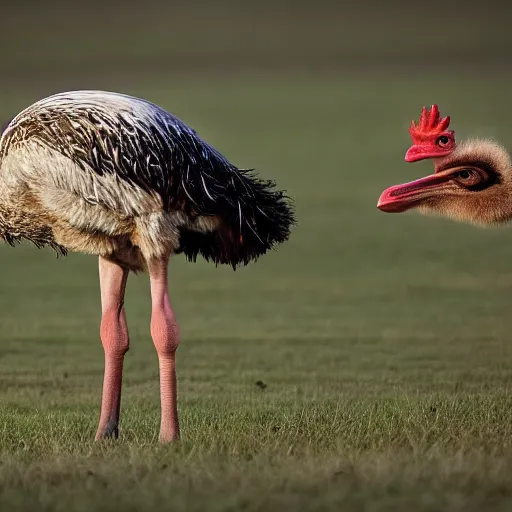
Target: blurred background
(160,45)
(319,96)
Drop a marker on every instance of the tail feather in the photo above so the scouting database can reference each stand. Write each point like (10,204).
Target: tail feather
(255,217)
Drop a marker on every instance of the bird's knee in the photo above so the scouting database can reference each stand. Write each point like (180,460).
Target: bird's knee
(114,332)
(165,332)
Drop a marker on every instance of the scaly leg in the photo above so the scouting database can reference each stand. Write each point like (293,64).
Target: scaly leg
(115,340)
(166,337)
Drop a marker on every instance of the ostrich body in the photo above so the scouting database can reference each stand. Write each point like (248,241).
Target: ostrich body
(119,177)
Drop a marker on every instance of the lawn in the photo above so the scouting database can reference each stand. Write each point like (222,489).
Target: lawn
(366,365)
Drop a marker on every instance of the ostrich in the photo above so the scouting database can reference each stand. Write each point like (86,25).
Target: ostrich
(472,180)
(121,178)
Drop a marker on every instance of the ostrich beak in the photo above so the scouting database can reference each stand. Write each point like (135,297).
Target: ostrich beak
(400,198)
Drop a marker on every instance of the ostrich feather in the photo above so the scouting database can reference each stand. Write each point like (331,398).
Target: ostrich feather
(127,156)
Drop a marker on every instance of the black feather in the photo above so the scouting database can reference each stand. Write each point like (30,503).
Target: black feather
(255,218)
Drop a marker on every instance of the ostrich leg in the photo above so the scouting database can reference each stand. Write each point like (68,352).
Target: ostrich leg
(165,334)
(115,340)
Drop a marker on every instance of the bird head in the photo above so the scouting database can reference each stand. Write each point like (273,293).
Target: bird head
(430,137)
(471,184)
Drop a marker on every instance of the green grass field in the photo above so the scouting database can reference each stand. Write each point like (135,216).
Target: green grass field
(384,341)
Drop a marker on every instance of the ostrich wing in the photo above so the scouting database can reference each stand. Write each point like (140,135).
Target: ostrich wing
(137,141)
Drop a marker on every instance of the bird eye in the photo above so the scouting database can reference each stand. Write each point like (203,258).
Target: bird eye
(443,140)
(471,177)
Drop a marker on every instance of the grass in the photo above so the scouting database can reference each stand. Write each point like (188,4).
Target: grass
(383,342)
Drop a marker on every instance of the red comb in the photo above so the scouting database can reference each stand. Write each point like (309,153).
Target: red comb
(431,123)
